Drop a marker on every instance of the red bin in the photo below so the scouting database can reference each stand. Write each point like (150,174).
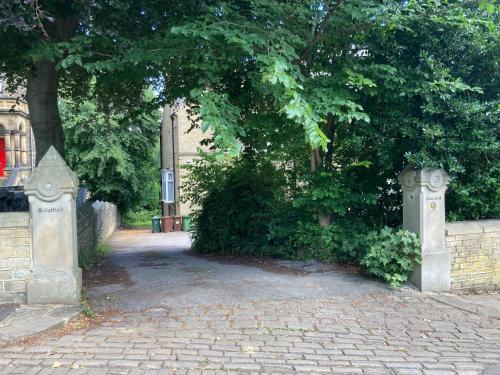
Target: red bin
(167,224)
(177,220)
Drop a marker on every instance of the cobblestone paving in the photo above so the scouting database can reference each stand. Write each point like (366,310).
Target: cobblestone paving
(264,323)
(398,333)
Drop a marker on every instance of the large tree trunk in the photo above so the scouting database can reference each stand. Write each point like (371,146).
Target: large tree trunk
(41,92)
(319,161)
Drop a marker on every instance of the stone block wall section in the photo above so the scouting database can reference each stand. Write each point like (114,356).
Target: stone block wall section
(474,248)
(86,228)
(96,222)
(108,219)
(15,256)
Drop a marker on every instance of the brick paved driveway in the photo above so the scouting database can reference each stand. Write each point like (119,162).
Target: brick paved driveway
(378,332)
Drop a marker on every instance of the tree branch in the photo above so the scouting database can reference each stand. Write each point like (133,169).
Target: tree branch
(318,34)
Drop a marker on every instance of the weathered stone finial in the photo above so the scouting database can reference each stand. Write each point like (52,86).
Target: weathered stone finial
(51,178)
(52,159)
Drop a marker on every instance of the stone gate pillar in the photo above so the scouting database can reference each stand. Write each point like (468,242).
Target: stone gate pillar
(424,214)
(51,190)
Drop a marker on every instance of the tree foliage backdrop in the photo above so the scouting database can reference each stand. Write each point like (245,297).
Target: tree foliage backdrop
(389,85)
(321,103)
(115,156)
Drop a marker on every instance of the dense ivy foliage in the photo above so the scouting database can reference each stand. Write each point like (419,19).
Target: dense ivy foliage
(444,108)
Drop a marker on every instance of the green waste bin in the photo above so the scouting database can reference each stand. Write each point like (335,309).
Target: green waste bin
(156,223)
(186,223)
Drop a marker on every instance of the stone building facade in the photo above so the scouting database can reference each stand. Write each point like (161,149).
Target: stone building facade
(181,143)
(16,138)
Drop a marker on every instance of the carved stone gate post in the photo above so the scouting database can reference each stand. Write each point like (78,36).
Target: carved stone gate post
(51,190)
(424,214)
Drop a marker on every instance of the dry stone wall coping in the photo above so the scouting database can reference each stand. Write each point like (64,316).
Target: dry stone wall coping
(14,219)
(472,227)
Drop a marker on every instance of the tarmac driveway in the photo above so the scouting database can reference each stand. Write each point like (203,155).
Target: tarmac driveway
(162,271)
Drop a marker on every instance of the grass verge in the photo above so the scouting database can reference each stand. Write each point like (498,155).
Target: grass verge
(138,219)
(88,259)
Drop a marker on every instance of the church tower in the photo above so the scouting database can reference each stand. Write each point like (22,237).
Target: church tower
(16,138)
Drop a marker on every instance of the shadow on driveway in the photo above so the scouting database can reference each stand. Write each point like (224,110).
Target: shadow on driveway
(159,269)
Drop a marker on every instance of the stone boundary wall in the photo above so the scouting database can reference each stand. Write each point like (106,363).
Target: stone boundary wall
(96,222)
(474,248)
(15,256)
(86,228)
(107,219)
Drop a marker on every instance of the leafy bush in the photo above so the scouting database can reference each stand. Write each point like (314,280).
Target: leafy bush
(245,207)
(392,256)
(235,203)
(343,241)
(441,110)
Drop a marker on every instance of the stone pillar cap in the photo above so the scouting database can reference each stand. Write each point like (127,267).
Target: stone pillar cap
(434,179)
(51,178)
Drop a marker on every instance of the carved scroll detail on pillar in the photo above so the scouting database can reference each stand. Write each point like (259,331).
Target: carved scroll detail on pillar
(49,190)
(407,179)
(434,179)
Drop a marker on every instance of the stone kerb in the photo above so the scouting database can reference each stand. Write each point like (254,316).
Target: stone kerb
(424,214)
(51,190)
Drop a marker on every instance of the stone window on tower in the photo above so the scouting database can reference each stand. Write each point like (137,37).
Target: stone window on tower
(22,144)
